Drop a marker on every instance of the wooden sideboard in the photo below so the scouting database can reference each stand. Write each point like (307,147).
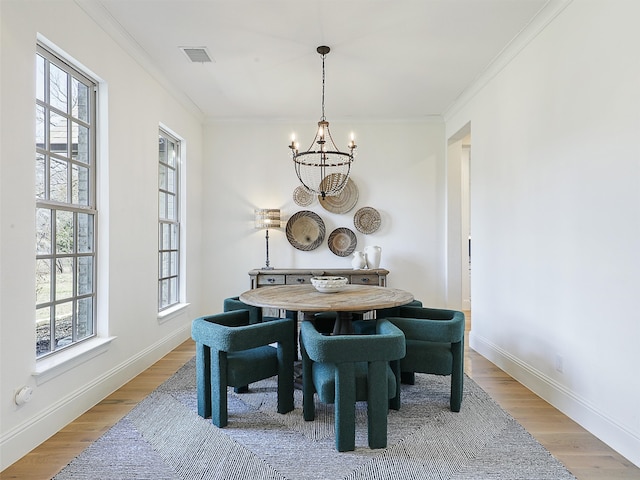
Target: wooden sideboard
(301,276)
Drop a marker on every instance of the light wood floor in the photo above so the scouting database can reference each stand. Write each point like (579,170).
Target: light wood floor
(584,455)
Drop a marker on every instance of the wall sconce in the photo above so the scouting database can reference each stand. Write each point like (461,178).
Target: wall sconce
(267,218)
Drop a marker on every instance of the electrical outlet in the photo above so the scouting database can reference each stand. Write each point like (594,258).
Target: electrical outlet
(559,363)
(23,395)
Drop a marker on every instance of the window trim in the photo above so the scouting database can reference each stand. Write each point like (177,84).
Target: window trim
(50,366)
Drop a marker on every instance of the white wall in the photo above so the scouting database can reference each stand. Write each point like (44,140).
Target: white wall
(555,213)
(399,170)
(135,107)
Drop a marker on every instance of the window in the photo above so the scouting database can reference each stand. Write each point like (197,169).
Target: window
(168,221)
(65,204)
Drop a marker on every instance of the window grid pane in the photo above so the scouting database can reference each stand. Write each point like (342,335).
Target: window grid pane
(64,232)
(43,281)
(63,324)
(84,314)
(43,327)
(58,134)
(65,205)
(63,272)
(85,275)
(40,76)
(79,142)
(58,180)
(80,100)
(171,207)
(41,115)
(85,233)
(43,231)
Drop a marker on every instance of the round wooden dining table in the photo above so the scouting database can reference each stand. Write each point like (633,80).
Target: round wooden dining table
(306,299)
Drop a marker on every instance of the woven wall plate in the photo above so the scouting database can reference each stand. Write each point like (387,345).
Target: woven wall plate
(305,230)
(342,242)
(341,203)
(302,196)
(367,220)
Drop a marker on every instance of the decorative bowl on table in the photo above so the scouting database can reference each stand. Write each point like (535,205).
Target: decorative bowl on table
(329,284)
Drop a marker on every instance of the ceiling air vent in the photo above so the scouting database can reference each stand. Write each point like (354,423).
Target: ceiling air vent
(197,54)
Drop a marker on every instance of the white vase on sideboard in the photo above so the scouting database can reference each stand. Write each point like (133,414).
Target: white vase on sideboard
(372,254)
(359,261)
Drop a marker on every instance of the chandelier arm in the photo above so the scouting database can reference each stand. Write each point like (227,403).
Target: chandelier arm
(331,140)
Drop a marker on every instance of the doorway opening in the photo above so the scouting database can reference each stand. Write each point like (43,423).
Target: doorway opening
(459,219)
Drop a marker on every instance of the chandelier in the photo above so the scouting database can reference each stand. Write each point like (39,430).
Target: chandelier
(322,168)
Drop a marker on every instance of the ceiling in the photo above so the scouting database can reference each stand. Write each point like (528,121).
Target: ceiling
(389,59)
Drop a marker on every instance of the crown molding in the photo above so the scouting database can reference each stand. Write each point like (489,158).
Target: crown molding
(97,11)
(537,25)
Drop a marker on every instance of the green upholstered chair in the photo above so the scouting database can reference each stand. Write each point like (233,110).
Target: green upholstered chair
(343,369)
(233,303)
(367,327)
(395,311)
(435,345)
(230,351)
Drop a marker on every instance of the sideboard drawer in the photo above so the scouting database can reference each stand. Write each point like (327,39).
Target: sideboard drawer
(270,280)
(364,279)
(298,279)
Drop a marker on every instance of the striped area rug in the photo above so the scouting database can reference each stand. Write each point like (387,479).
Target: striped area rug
(164,438)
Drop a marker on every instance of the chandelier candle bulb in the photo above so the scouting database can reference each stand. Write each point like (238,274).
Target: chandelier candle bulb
(294,145)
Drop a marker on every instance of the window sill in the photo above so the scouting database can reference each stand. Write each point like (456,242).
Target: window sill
(169,313)
(50,367)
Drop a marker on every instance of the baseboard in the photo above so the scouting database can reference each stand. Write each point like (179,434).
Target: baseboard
(26,436)
(617,436)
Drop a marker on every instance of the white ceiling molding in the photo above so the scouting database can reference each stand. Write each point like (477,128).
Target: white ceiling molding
(114,29)
(545,16)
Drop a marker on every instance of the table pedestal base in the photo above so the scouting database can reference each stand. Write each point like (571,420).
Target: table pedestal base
(344,323)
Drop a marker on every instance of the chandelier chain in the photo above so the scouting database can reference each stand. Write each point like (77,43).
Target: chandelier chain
(323,116)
